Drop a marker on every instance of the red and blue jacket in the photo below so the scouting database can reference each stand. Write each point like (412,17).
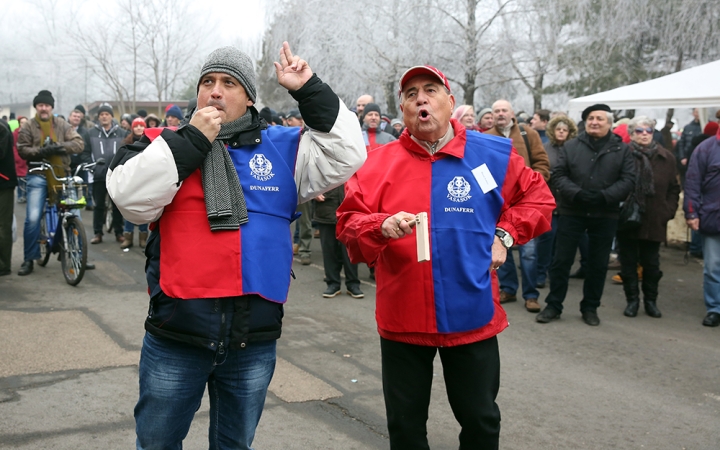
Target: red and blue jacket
(220,289)
(472,185)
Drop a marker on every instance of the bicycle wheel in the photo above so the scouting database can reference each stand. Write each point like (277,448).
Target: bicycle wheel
(74,257)
(109,215)
(44,242)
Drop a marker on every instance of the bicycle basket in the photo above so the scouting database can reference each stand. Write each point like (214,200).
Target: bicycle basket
(72,197)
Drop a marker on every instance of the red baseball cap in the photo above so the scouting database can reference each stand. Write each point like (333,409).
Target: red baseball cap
(423,70)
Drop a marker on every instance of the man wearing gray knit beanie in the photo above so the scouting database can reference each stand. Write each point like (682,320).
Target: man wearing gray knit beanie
(221,191)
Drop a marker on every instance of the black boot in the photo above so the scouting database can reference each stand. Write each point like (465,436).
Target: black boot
(632,308)
(632,294)
(652,310)
(650,292)
(26,268)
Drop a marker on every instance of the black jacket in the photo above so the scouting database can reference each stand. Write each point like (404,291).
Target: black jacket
(325,210)
(86,155)
(8,179)
(610,171)
(104,144)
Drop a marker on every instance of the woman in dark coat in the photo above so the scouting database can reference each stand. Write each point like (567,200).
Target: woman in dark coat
(657,192)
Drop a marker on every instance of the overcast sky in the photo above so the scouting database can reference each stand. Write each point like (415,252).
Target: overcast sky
(23,72)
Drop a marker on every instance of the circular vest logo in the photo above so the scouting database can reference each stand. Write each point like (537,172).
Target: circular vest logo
(260,167)
(458,190)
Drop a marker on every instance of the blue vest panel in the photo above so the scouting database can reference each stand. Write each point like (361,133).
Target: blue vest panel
(463,220)
(266,173)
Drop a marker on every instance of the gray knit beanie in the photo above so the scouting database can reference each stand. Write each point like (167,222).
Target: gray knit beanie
(233,62)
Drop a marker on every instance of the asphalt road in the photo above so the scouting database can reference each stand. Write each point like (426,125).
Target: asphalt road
(68,366)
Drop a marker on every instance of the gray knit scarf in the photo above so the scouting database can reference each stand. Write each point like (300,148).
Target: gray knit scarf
(224,199)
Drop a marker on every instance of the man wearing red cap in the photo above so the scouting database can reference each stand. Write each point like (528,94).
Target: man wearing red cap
(480,198)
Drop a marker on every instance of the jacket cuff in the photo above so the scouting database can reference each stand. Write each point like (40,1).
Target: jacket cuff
(318,104)
(507,226)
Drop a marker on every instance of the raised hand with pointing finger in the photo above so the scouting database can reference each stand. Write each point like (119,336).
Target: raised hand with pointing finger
(292,71)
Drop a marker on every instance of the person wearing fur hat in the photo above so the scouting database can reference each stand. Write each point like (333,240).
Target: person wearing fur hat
(220,193)
(105,139)
(152,121)
(44,137)
(373,135)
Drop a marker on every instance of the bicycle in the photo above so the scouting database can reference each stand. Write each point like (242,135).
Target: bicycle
(60,227)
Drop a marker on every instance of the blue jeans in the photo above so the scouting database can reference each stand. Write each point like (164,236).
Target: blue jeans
(173,376)
(130,227)
(696,242)
(711,272)
(36,195)
(21,188)
(545,248)
(507,273)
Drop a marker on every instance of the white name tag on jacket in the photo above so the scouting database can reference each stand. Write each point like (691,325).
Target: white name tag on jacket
(484,178)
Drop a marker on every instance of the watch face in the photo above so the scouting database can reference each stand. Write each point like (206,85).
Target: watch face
(507,240)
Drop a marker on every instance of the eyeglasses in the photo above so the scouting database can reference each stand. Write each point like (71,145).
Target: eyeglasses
(648,130)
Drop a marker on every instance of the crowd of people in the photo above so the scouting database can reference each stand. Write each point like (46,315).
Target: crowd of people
(231,179)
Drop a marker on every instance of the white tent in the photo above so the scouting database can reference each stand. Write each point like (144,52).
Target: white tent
(698,87)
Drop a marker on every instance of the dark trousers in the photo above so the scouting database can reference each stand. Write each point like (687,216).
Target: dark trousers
(472,381)
(646,253)
(335,257)
(7,204)
(600,232)
(100,192)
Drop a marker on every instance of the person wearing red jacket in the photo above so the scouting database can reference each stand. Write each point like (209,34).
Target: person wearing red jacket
(480,198)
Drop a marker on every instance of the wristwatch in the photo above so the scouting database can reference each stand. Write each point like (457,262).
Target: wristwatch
(505,239)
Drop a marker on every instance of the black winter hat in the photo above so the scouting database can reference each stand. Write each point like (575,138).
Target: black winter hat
(105,108)
(142,113)
(44,96)
(598,107)
(266,113)
(80,108)
(371,107)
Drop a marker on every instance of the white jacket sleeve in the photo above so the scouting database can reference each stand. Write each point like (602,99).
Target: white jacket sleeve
(143,185)
(327,160)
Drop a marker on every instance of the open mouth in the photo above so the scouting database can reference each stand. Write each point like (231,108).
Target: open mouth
(424,115)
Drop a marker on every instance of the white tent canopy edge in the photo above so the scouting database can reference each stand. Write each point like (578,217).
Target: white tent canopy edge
(697,87)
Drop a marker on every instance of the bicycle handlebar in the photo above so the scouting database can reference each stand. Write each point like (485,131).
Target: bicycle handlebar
(45,165)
